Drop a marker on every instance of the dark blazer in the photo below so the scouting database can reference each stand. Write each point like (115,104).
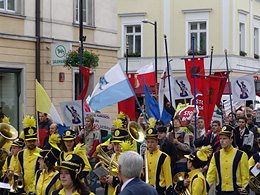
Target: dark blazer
(137,186)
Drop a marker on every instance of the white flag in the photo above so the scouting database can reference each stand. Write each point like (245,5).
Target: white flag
(243,88)
(164,88)
(181,88)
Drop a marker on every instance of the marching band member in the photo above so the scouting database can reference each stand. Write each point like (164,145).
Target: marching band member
(196,181)
(69,143)
(228,166)
(159,164)
(70,170)
(112,179)
(47,178)
(10,166)
(254,161)
(27,161)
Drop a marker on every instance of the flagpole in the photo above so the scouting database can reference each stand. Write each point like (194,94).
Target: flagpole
(194,83)
(126,59)
(229,86)
(81,49)
(211,57)
(168,68)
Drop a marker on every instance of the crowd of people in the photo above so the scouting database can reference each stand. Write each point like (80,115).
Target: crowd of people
(146,157)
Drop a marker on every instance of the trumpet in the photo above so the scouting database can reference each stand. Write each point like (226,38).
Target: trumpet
(177,179)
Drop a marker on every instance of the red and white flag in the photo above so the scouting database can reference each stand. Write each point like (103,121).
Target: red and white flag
(148,73)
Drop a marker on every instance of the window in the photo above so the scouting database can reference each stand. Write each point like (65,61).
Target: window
(256,41)
(88,8)
(7,5)
(241,37)
(199,31)
(133,37)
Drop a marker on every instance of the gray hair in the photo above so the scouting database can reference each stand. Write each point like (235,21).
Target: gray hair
(131,164)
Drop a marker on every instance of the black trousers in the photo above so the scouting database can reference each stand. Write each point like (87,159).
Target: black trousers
(227,193)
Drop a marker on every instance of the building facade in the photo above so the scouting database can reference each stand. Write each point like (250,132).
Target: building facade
(233,25)
(29,29)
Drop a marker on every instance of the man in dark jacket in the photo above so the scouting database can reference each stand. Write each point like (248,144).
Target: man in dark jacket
(130,168)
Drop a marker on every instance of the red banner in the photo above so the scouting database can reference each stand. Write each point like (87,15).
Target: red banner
(221,86)
(196,69)
(210,92)
(85,74)
(128,106)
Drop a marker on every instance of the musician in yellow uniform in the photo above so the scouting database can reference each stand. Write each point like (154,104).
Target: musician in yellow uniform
(112,180)
(159,164)
(69,143)
(196,181)
(254,161)
(47,178)
(228,166)
(27,161)
(10,166)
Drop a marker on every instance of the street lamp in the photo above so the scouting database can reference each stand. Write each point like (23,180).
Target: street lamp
(155,44)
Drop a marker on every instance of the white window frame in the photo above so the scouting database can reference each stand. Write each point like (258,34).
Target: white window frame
(256,40)
(196,15)
(87,21)
(197,31)
(242,36)
(134,34)
(130,20)
(242,40)
(5,9)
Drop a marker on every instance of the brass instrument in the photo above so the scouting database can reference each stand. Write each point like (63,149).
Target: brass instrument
(254,183)
(7,132)
(107,163)
(143,153)
(180,177)
(18,184)
(135,131)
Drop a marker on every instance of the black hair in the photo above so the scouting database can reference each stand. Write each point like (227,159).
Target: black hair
(81,187)
(63,147)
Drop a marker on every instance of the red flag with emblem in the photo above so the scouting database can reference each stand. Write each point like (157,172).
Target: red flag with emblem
(210,92)
(222,85)
(128,106)
(198,69)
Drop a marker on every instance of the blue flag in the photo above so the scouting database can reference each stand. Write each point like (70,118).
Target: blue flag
(166,117)
(151,105)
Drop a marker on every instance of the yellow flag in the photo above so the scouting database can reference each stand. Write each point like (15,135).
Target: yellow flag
(43,101)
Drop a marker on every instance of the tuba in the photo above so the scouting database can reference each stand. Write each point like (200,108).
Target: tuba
(135,131)
(7,132)
(107,163)
(177,179)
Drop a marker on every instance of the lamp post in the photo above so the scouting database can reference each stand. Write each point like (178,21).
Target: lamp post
(155,44)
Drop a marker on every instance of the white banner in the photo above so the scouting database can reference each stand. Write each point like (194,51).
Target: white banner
(101,121)
(72,113)
(243,88)
(182,89)
(235,105)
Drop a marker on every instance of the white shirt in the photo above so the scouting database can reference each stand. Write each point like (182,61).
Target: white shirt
(124,184)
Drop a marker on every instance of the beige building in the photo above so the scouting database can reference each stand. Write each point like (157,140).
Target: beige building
(26,42)
(233,25)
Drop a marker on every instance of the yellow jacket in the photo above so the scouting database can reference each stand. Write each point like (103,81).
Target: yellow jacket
(10,165)
(230,164)
(46,183)
(111,189)
(62,192)
(165,177)
(27,166)
(197,183)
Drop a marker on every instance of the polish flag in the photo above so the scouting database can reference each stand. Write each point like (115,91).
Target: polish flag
(148,73)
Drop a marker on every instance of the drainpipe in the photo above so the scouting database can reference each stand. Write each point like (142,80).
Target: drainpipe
(38,40)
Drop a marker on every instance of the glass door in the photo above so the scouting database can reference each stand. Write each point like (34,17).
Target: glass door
(10,90)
